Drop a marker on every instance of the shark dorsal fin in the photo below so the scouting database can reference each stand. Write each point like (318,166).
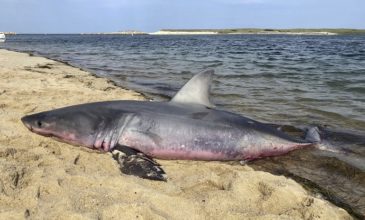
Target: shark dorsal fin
(196,90)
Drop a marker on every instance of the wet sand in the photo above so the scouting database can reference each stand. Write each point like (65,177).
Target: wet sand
(44,179)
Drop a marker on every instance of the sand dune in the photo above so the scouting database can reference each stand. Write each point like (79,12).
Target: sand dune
(44,179)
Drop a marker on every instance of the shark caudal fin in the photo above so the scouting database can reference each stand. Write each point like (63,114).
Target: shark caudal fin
(312,135)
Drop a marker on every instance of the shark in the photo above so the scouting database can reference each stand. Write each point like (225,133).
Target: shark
(188,127)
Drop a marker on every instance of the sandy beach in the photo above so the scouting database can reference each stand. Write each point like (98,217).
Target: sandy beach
(44,179)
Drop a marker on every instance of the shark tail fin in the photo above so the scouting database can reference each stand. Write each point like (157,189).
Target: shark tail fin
(312,135)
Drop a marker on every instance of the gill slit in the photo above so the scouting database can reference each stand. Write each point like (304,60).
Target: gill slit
(108,137)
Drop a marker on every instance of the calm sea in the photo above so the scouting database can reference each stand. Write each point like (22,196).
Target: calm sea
(287,80)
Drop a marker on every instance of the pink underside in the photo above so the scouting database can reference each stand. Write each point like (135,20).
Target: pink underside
(208,155)
(101,145)
(171,153)
(252,155)
(189,153)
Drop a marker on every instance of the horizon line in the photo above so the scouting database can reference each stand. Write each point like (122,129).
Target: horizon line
(187,29)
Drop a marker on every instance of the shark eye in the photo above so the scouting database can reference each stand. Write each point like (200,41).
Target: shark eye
(39,123)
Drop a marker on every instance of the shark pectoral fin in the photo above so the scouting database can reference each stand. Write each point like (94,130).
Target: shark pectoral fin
(133,162)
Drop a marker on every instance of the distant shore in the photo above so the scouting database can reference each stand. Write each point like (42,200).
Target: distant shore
(121,33)
(259,33)
(243,31)
(298,31)
(8,33)
(177,32)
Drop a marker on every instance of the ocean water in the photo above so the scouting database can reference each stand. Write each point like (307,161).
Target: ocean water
(297,81)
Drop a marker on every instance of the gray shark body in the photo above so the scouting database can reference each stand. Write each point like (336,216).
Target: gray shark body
(188,127)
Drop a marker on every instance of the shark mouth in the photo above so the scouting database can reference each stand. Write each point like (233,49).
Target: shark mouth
(68,138)
(39,131)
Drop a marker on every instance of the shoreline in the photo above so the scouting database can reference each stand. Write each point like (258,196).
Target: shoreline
(43,178)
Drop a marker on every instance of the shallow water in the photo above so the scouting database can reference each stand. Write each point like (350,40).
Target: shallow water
(291,80)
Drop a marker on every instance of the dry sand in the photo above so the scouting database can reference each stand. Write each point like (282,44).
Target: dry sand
(44,179)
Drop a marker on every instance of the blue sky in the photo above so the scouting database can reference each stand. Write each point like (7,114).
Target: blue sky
(75,16)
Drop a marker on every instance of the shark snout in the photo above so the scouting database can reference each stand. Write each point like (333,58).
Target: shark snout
(27,122)
(35,124)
